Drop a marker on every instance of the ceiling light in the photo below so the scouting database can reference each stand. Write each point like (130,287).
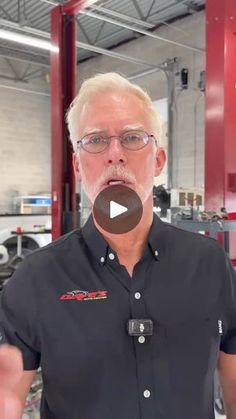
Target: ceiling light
(27,40)
(90,2)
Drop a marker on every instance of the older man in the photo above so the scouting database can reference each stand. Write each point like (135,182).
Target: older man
(128,324)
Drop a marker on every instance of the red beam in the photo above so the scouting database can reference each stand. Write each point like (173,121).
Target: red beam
(57,126)
(63,90)
(70,84)
(220,155)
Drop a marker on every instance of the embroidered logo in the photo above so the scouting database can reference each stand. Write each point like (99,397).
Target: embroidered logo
(84,295)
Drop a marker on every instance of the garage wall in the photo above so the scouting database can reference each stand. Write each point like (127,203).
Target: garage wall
(25,118)
(25,138)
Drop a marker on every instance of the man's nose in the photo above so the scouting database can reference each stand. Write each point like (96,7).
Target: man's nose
(116,153)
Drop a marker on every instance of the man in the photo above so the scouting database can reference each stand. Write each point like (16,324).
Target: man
(127,325)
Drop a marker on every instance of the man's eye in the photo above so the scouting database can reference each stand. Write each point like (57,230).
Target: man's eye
(95,140)
(131,138)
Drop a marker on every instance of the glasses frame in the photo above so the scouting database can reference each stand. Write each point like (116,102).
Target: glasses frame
(110,137)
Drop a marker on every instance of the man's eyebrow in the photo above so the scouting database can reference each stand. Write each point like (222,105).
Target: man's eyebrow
(132,127)
(92,131)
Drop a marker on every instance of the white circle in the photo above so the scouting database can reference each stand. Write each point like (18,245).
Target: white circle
(141,339)
(156,253)
(111,256)
(137,295)
(102,259)
(146,394)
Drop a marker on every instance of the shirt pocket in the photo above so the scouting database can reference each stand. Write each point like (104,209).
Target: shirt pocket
(192,351)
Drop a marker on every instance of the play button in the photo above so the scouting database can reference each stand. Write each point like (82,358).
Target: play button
(117,209)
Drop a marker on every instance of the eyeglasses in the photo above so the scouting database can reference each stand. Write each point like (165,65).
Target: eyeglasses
(131,140)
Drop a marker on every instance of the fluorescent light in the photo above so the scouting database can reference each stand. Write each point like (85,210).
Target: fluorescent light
(27,40)
(90,2)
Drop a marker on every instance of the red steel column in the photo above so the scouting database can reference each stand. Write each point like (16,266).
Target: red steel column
(63,90)
(63,85)
(220,140)
(57,122)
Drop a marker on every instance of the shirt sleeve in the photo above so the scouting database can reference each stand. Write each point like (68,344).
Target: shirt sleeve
(18,316)
(228,343)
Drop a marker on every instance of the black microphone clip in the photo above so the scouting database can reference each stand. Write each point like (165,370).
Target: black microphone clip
(140,327)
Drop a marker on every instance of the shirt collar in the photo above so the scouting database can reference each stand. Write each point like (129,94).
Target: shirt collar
(95,241)
(157,237)
(100,248)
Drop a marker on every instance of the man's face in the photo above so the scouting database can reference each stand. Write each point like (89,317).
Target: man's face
(112,113)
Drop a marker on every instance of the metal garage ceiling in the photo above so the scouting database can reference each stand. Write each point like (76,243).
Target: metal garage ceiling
(95,24)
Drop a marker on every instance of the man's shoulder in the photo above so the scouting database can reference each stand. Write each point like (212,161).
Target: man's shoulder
(47,263)
(68,244)
(70,239)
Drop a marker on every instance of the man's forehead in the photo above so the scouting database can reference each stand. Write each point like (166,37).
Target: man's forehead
(116,110)
(106,99)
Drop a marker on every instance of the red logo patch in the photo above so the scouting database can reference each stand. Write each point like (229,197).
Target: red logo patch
(84,295)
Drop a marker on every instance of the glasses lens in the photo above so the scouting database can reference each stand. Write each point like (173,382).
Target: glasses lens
(94,143)
(134,140)
(131,140)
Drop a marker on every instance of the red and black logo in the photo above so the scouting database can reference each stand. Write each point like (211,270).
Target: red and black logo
(84,295)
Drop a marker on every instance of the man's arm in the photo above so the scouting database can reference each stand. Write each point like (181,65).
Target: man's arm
(227,375)
(22,388)
(11,369)
(14,383)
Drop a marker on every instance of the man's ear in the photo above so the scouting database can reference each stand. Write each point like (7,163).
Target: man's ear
(76,167)
(160,160)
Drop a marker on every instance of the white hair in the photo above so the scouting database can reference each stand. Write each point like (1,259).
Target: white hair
(102,83)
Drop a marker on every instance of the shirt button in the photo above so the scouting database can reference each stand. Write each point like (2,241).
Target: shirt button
(156,253)
(146,394)
(102,259)
(111,256)
(141,339)
(137,295)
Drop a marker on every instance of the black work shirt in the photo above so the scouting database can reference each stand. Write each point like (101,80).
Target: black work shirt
(67,308)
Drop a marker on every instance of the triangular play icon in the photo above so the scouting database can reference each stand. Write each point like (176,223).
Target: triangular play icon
(116,209)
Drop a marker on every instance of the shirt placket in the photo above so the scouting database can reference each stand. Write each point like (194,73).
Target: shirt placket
(142,343)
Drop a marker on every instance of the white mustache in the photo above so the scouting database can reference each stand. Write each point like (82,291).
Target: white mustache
(117,171)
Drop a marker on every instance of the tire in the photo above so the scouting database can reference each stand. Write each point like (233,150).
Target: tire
(28,245)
